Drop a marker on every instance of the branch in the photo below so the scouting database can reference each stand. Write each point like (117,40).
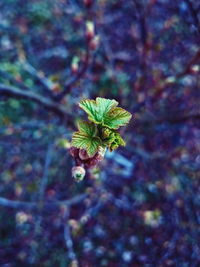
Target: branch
(142,14)
(12,91)
(68,238)
(44,180)
(41,191)
(142,21)
(175,117)
(15,204)
(74,79)
(13,80)
(170,80)
(46,83)
(195,59)
(194,14)
(92,212)
(172,118)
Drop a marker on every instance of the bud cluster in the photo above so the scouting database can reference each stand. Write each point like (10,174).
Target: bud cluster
(93,40)
(89,143)
(82,159)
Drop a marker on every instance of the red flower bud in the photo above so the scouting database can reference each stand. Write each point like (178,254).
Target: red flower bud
(82,159)
(83,154)
(74,151)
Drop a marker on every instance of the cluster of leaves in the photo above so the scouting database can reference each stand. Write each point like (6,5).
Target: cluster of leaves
(101,129)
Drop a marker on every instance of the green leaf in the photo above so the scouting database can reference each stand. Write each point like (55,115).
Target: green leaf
(119,140)
(104,111)
(86,137)
(83,141)
(117,117)
(98,109)
(105,105)
(112,139)
(87,128)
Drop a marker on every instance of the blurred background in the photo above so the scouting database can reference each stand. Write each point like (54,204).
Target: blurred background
(141,206)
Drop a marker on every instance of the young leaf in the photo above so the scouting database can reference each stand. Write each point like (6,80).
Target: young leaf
(104,111)
(98,109)
(119,140)
(116,117)
(84,141)
(105,105)
(87,128)
(86,137)
(112,139)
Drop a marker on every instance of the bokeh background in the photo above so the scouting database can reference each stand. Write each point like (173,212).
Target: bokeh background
(141,206)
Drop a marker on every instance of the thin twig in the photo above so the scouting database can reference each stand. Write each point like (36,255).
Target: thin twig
(194,14)
(171,118)
(171,80)
(12,91)
(15,204)
(44,180)
(13,80)
(37,227)
(75,78)
(68,238)
(45,82)
(43,185)
(195,59)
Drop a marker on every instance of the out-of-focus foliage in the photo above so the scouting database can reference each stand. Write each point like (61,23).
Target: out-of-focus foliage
(143,204)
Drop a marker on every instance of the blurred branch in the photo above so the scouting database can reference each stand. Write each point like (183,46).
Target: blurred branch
(68,238)
(39,76)
(46,83)
(44,180)
(172,118)
(142,13)
(42,187)
(12,91)
(110,18)
(170,80)
(37,205)
(14,81)
(15,92)
(142,21)
(173,79)
(37,226)
(194,14)
(93,211)
(75,78)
